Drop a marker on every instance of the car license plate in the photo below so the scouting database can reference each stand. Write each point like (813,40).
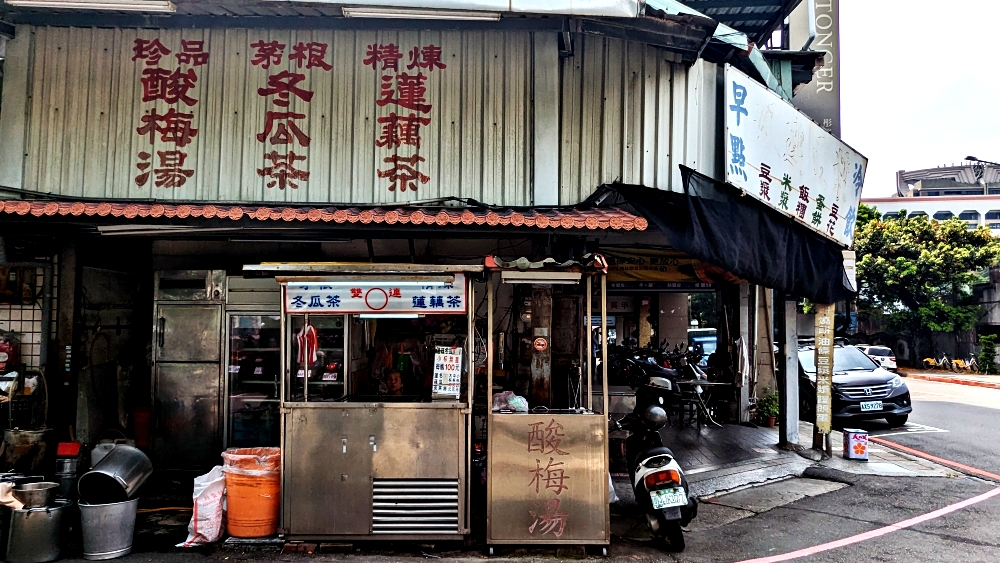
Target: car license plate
(871,406)
(666,498)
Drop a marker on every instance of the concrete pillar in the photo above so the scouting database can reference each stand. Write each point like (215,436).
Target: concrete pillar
(541,333)
(788,417)
(673,320)
(745,316)
(645,327)
(765,343)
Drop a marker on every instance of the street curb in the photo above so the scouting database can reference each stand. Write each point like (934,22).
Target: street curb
(955,380)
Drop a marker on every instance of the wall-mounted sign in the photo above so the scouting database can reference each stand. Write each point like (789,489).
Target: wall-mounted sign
(541,344)
(390,297)
(780,157)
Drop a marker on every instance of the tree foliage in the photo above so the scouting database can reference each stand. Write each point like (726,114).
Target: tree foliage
(919,273)
(988,354)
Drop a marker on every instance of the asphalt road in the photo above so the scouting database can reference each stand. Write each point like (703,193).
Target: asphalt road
(969,415)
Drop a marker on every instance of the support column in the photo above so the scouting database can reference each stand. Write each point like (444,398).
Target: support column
(745,321)
(788,376)
(541,353)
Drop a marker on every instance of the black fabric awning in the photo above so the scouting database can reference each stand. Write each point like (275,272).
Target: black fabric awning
(718,224)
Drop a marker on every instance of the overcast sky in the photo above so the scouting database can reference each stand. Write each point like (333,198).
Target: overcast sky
(920,87)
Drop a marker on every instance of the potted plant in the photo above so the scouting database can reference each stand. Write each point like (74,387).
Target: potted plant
(767,408)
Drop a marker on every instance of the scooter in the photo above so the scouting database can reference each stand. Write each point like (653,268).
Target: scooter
(659,484)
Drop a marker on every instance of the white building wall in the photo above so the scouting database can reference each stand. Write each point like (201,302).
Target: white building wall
(988,207)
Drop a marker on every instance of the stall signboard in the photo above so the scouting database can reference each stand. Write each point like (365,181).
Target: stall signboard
(778,156)
(548,479)
(374,297)
(447,372)
(824,366)
(653,269)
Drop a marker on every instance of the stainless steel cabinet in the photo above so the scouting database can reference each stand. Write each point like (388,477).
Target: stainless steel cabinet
(188,333)
(327,474)
(354,470)
(187,413)
(187,373)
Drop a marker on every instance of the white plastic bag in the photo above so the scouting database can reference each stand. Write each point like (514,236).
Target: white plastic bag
(612,496)
(207,517)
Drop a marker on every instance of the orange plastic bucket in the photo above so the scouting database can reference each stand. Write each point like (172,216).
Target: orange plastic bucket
(253,491)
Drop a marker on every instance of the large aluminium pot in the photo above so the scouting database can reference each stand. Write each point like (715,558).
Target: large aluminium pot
(116,477)
(35,534)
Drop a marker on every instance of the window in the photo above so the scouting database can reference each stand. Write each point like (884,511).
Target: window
(845,358)
(969,216)
(993,215)
(943,215)
(891,215)
(917,214)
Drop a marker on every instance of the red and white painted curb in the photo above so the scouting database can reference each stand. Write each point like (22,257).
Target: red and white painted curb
(956,379)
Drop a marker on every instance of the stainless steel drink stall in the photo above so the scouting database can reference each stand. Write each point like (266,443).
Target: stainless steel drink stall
(376,399)
(547,476)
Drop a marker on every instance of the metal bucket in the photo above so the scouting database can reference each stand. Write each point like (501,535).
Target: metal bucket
(116,477)
(107,529)
(35,534)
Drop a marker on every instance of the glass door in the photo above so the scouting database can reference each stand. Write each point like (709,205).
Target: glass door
(254,371)
(316,358)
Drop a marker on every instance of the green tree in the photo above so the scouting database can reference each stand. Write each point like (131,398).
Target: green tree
(988,355)
(866,214)
(918,274)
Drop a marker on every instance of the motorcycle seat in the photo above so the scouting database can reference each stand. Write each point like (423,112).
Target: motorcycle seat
(660,450)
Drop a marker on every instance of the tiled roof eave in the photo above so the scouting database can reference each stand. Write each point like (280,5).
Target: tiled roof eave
(568,218)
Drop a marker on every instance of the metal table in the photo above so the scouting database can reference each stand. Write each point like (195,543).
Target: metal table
(700,402)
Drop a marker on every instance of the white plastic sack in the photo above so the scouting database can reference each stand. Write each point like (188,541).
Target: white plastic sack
(612,496)
(207,517)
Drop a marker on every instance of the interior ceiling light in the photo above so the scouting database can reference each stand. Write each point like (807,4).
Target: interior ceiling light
(415,14)
(110,5)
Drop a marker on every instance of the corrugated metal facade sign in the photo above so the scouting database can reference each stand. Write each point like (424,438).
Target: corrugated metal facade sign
(237,115)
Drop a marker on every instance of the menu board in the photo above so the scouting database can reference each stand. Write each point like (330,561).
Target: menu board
(447,372)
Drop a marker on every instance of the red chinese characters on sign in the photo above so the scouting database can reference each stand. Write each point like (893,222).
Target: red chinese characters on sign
(402,173)
(406,90)
(548,477)
(283,89)
(282,170)
(548,519)
(546,440)
(172,87)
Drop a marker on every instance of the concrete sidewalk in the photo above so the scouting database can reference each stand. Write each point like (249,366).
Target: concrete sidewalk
(990,381)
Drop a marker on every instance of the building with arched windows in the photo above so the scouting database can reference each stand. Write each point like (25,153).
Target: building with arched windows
(969,191)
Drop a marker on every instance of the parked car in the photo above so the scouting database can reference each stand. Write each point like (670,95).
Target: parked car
(884,356)
(862,390)
(706,339)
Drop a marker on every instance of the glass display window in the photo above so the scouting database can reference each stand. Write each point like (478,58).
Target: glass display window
(254,373)
(316,357)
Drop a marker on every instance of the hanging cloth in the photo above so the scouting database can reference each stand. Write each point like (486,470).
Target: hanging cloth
(742,363)
(308,344)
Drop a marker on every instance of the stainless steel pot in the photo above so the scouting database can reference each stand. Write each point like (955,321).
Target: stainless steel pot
(36,495)
(116,477)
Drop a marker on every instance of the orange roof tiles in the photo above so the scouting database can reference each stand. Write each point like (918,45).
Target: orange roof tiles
(568,218)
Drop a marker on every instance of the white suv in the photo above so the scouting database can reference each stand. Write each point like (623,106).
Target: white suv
(884,356)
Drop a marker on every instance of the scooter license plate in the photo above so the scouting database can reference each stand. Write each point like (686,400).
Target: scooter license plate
(665,498)
(871,406)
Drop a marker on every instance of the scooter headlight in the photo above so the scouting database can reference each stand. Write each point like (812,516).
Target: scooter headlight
(658,479)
